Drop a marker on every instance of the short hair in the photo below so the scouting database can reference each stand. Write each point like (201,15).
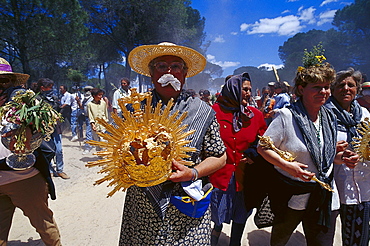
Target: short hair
(97,91)
(349,72)
(45,82)
(265,88)
(313,75)
(206,92)
(125,79)
(64,86)
(282,86)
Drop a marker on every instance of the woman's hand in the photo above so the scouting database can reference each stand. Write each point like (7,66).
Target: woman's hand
(246,160)
(181,172)
(341,145)
(297,169)
(350,158)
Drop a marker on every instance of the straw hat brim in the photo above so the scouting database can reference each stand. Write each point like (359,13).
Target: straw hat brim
(140,57)
(20,78)
(366,85)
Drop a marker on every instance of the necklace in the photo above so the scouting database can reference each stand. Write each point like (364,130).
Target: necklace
(318,128)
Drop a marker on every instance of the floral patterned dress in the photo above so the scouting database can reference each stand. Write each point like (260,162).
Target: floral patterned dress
(141,225)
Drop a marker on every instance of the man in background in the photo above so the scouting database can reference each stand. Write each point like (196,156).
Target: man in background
(122,91)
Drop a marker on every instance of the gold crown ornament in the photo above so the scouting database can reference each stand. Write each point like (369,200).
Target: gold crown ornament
(139,148)
(266,142)
(362,144)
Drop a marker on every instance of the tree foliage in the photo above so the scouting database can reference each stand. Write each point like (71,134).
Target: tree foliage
(354,21)
(125,24)
(38,37)
(334,42)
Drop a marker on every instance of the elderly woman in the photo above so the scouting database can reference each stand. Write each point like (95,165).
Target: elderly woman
(306,131)
(353,183)
(148,217)
(25,189)
(240,124)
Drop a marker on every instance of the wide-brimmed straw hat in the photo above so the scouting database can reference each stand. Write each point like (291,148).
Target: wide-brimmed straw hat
(6,69)
(140,57)
(365,85)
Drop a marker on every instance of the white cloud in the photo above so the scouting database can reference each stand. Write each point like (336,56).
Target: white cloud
(219,39)
(269,66)
(326,17)
(292,1)
(285,11)
(286,25)
(290,24)
(307,15)
(244,27)
(234,33)
(223,64)
(327,2)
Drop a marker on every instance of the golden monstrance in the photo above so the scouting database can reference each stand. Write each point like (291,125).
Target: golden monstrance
(139,148)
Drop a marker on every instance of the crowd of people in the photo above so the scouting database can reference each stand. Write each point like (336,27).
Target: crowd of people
(315,122)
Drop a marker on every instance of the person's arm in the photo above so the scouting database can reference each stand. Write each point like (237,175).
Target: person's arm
(106,111)
(90,113)
(296,169)
(346,156)
(115,101)
(208,166)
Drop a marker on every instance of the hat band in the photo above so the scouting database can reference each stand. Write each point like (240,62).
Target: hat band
(5,68)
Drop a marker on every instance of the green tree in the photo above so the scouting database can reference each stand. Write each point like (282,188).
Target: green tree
(39,37)
(354,21)
(334,42)
(130,23)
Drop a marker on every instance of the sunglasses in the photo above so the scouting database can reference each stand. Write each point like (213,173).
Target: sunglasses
(175,67)
(5,80)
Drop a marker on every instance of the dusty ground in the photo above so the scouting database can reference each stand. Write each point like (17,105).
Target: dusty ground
(87,218)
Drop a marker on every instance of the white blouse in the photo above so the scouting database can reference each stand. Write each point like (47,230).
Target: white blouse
(353,184)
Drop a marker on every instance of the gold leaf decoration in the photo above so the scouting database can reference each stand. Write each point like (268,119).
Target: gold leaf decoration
(362,144)
(139,148)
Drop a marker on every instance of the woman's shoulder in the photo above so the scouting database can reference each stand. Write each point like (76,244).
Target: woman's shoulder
(283,112)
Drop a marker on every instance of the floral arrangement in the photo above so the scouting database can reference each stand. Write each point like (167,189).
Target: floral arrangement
(26,110)
(312,58)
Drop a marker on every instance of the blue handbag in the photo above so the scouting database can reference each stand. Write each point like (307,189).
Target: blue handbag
(191,207)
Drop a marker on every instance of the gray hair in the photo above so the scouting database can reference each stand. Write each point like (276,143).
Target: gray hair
(349,72)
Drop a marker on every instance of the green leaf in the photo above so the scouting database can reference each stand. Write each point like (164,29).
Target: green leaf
(22,112)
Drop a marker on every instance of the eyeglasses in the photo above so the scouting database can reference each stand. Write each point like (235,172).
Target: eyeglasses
(175,67)
(5,80)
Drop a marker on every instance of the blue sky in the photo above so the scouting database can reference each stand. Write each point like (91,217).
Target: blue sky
(249,32)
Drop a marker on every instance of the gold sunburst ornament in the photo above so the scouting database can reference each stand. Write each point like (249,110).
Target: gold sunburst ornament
(362,144)
(139,149)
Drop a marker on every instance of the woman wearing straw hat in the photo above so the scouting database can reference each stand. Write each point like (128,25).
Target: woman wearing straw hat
(148,217)
(26,189)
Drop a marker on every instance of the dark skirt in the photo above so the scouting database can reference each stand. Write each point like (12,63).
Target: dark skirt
(142,226)
(355,224)
(228,205)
